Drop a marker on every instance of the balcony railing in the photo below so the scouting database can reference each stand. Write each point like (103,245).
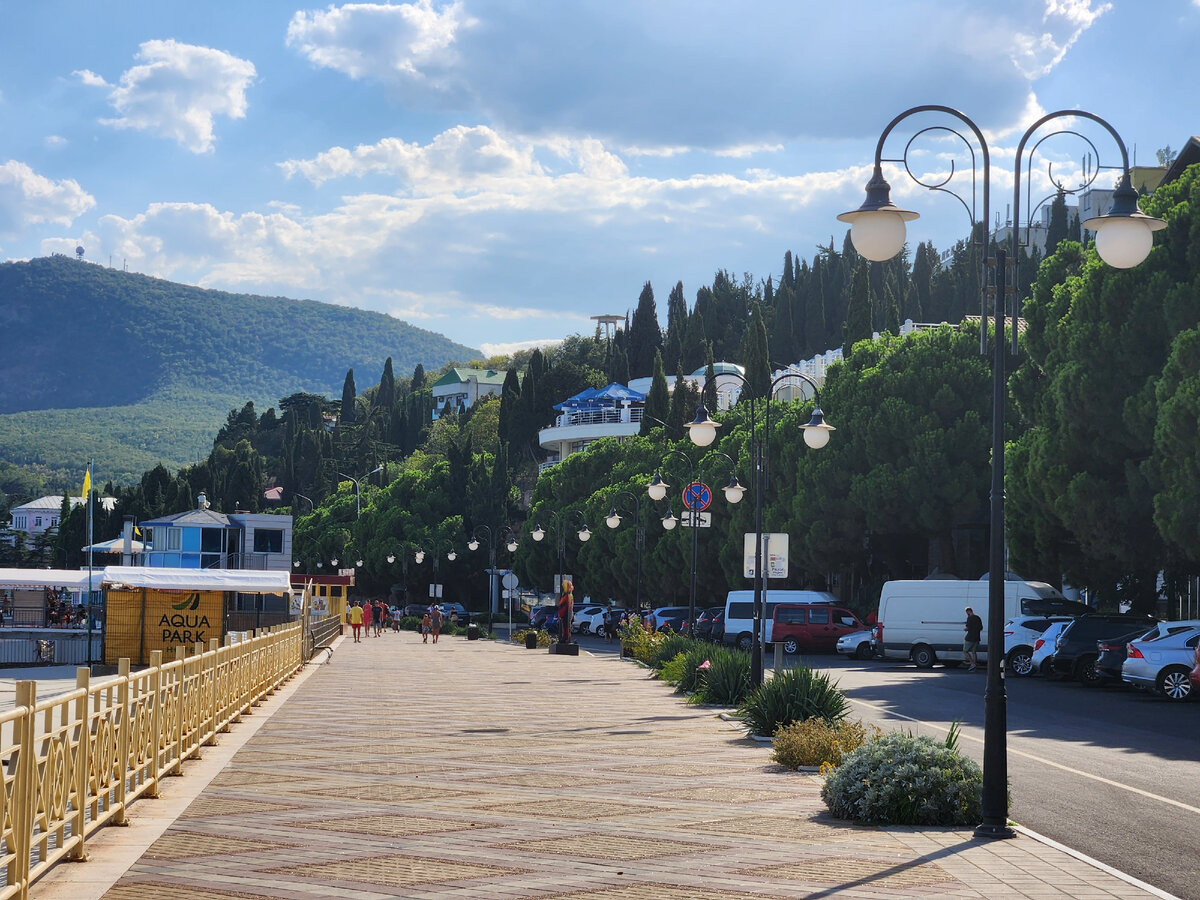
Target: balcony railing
(624,416)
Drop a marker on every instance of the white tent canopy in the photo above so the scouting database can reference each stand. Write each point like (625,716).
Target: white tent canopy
(246,581)
(116,545)
(72,579)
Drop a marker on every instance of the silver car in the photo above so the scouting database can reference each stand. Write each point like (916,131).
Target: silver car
(859,644)
(1163,663)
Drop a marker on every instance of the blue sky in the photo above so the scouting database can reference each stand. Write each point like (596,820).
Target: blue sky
(500,171)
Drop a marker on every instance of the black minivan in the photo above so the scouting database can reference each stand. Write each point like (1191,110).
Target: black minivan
(1075,652)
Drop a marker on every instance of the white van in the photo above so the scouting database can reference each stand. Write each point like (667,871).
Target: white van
(739,612)
(923,620)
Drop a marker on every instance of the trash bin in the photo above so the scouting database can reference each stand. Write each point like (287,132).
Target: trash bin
(45,651)
(472,632)
(531,640)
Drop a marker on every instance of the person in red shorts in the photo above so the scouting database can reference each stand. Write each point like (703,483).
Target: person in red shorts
(355,616)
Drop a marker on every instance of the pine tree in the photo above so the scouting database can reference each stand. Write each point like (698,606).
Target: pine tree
(658,401)
(756,356)
(858,313)
(645,335)
(1056,231)
(346,416)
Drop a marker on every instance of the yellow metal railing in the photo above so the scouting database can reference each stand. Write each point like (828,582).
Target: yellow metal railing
(76,761)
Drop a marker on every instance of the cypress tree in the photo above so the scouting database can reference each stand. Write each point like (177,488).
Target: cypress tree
(858,312)
(645,335)
(346,415)
(385,397)
(658,401)
(1056,231)
(756,356)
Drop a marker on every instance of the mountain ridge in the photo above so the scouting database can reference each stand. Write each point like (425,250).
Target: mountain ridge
(146,369)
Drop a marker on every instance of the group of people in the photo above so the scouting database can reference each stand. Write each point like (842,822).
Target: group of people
(373,616)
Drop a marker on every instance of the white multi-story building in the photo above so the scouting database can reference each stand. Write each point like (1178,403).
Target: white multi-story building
(463,387)
(40,515)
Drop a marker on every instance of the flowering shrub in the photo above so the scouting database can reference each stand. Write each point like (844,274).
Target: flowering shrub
(726,681)
(639,643)
(902,779)
(793,695)
(684,670)
(818,742)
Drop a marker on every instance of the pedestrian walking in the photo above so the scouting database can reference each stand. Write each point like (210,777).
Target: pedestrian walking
(426,625)
(355,617)
(435,623)
(610,625)
(377,616)
(974,632)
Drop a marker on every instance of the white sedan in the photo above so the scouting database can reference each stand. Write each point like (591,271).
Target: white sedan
(1163,663)
(859,644)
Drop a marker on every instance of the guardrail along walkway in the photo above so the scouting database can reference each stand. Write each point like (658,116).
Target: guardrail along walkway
(473,769)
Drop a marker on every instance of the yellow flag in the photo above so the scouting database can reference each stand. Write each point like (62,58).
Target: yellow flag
(137,531)
(87,482)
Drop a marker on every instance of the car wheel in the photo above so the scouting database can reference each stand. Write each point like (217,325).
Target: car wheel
(923,656)
(601,631)
(1174,683)
(1085,671)
(745,641)
(790,646)
(1020,661)
(864,651)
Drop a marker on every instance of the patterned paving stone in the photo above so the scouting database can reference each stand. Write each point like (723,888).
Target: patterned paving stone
(837,869)
(179,844)
(653,891)
(146,890)
(394,871)
(223,806)
(609,846)
(387,826)
(543,807)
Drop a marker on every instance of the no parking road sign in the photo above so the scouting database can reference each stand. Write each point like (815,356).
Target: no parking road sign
(697,496)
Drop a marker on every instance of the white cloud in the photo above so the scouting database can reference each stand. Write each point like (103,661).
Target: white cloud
(90,78)
(27,198)
(54,141)
(406,45)
(178,90)
(507,349)
(1036,55)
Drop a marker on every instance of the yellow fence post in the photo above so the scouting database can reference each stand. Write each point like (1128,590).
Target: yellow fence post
(23,799)
(124,736)
(214,682)
(157,722)
(83,755)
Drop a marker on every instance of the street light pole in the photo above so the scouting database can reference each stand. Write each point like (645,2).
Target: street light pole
(703,431)
(1124,237)
(558,519)
(489,535)
(357,495)
(613,520)
(657,490)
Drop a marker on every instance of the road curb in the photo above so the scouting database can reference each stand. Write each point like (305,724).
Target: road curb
(1095,863)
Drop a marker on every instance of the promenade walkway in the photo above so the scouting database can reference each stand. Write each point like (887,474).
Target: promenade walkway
(482,770)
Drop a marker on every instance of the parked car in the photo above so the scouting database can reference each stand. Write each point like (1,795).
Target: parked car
(449,609)
(859,644)
(1162,663)
(1196,668)
(1075,649)
(704,622)
(1041,660)
(811,626)
(597,627)
(586,618)
(539,614)
(670,618)
(415,609)
(1020,633)
(1110,657)
(716,631)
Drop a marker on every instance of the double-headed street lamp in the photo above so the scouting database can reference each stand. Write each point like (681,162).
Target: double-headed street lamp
(438,546)
(357,493)
(558,520)
(509,538)
(1124,237)
(613,520)
(703,431)
(696,497)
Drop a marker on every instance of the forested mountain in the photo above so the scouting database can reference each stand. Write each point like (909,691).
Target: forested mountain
(134,370)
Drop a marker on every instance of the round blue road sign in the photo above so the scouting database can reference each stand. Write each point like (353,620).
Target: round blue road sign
(697,496)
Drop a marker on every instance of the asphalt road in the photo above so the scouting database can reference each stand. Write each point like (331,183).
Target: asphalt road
(1110,772)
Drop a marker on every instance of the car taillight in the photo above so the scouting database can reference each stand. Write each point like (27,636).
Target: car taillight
(1038,643)
(1134,652)
(1009,633)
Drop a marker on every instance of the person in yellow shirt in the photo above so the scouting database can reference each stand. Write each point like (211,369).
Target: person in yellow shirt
(355,615)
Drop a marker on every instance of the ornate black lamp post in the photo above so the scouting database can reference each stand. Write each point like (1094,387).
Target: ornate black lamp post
(703,431)
(508,537)
(695,502)
(558,520)
(438,546)
(1124,237)
(613,520)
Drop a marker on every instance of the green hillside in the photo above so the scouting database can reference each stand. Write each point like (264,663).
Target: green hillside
(133,370)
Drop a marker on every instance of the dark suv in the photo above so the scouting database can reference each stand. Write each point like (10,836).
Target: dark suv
(1075,652)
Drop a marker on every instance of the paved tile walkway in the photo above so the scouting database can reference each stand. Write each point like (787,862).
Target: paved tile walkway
(473,769)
